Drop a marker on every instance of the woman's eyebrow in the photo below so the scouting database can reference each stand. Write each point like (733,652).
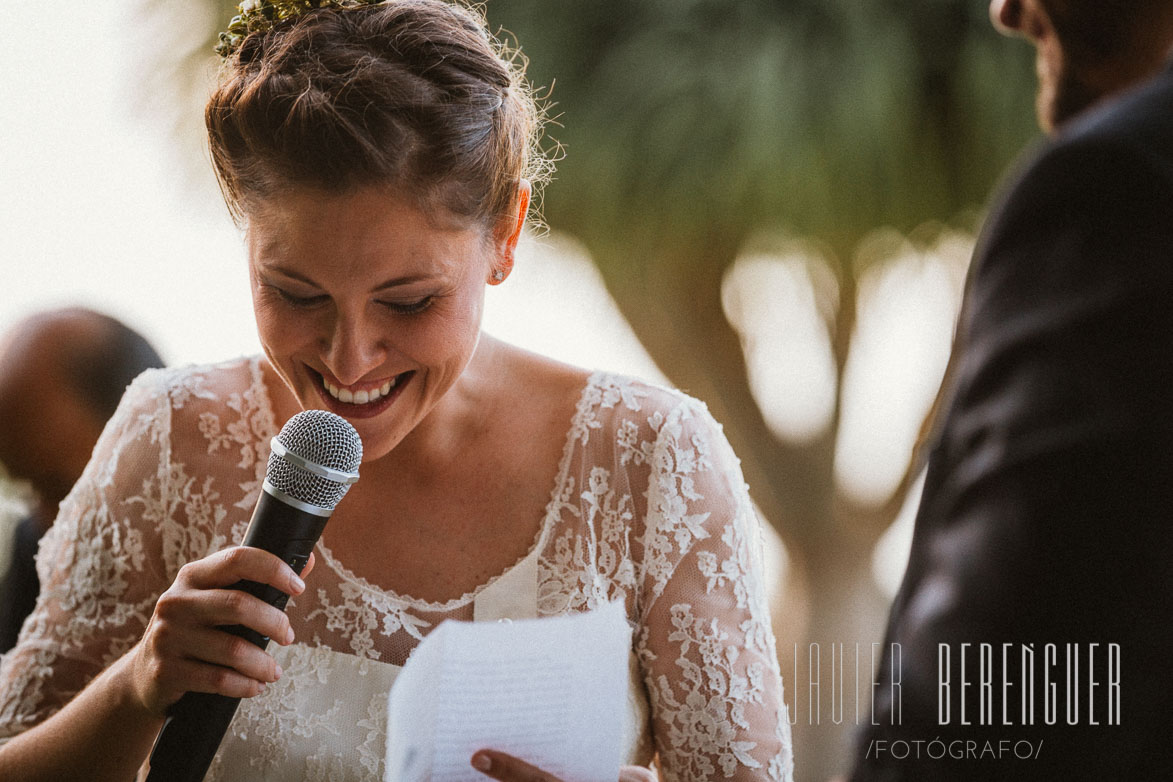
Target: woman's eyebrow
(291,274)
(405,279)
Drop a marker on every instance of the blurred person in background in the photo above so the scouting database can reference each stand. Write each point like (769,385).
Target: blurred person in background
(62,374)
(1047,511)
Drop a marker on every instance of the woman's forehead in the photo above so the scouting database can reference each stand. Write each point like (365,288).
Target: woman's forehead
(365,232)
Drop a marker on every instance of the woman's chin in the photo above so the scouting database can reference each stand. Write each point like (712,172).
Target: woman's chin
(374,421)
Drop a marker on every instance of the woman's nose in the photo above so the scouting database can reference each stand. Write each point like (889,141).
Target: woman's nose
(352,349)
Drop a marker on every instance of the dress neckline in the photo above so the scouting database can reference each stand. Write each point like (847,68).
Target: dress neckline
(549,517)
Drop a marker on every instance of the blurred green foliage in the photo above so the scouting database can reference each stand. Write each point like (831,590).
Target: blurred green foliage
(821,118)
(826,118)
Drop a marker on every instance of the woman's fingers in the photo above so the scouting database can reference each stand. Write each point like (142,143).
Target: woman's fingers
(185,647)
(498,765)
(173,641)
(197,676)
(218,607)
(225,568)
(229,651)
(161,674)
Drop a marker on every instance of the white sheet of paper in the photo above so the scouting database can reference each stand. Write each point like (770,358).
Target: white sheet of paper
(550,691)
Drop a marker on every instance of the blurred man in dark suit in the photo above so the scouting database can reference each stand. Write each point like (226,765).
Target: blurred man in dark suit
(1033,624)
(62,374)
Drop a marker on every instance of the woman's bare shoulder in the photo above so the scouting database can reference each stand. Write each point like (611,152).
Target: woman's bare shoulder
(536,375)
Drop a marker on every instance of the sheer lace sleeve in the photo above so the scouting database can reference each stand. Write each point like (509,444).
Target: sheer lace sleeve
(99,565)
(705,640)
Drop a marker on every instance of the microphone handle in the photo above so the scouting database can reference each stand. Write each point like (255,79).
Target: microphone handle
(196,723)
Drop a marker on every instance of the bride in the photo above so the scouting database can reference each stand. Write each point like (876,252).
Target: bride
(379,158)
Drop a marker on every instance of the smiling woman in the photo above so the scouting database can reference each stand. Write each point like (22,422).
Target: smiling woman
(364,300)
(379,157)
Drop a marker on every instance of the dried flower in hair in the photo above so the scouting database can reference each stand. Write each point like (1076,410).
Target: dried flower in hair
(260,15)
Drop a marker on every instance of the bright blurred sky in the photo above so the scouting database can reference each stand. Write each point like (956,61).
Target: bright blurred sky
(98,207)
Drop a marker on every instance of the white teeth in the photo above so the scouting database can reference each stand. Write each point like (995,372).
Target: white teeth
(359,397)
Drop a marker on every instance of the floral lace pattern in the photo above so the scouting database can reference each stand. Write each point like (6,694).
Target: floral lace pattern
(649,508)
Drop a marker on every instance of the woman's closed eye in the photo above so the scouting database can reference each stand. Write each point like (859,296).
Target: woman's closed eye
(399,307)
(299,301)
(409,307)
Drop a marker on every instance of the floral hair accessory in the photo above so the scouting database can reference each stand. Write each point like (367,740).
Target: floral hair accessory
(259,15)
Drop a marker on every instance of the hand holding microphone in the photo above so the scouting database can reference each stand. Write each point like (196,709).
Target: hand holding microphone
(185,648)
(209,630)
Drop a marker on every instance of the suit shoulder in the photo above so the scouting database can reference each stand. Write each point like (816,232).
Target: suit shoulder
(1088,181)
(1140,119)
(1092,212)
(1126,144)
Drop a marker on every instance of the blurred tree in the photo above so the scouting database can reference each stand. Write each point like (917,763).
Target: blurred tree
(692,126)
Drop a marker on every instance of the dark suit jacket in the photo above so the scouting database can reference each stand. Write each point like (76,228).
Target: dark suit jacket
(1047,513)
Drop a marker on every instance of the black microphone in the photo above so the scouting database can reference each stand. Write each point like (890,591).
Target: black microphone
(313,463)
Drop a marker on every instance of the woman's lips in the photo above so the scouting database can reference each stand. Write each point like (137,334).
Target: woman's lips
(350,403)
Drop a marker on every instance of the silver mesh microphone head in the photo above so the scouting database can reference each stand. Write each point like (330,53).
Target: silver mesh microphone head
(314,459)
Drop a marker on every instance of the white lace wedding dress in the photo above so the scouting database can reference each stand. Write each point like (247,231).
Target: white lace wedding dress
(649,508)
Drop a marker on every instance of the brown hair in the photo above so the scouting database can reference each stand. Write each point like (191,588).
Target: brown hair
(413,95)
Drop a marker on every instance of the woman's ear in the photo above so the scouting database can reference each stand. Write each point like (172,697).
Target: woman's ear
(508,233)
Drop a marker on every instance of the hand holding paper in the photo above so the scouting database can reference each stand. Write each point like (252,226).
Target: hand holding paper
(506,768)
(548,691)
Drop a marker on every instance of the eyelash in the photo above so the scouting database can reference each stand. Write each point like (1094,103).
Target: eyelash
(300,302)
(305,302)
(414,308)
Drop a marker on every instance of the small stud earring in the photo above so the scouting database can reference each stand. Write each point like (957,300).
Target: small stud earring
(498,275)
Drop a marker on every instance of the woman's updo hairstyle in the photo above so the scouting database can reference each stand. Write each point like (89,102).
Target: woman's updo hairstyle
(413,96)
